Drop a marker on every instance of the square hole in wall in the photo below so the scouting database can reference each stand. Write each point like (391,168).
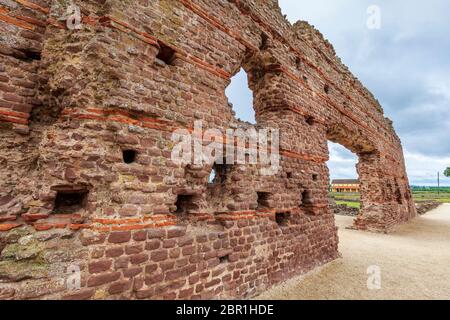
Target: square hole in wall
(298,63)
(224,259)
(306,197)
(165,54)
(219,173)
(263,200)
(310,120)
(307,202)
(129,156)
(28,55)
(282,218)
(264,41)
(185,203)
(398,196)
(315,176)
(67,202)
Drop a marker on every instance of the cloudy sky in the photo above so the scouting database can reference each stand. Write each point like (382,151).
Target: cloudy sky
(405,63)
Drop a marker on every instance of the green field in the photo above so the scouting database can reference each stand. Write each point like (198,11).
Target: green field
(427,196)
(431,193)
(345,196)
(419,195)
(349,199)
(350,204)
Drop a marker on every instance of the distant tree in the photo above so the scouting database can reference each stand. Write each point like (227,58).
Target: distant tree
(447,172)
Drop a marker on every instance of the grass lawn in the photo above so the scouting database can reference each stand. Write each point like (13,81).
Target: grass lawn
(352,199)
(345,196)
(443,197)
(350,204)
(418,196)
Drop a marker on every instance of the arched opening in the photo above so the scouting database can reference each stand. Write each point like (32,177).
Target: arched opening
(344,186)
(240,97)
(375,196)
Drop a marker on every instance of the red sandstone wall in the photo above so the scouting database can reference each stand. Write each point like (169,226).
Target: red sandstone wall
(72,101)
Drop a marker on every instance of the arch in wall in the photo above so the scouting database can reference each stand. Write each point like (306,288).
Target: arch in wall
(374,191)
(240,97)
(254,64)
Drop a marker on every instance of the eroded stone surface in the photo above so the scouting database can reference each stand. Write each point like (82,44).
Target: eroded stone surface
(72,101)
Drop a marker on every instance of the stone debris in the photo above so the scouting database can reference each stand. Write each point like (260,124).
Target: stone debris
(426,206)
(343,209)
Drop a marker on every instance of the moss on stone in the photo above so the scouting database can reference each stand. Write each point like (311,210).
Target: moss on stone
(15,234)
(20,270)
(28,250)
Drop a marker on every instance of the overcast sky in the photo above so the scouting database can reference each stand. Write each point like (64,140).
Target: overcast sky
(405,63)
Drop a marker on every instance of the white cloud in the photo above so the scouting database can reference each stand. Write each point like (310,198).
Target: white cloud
(422,169)
(342,163)
(405,64)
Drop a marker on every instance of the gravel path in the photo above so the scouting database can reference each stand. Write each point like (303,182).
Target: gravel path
(414,262)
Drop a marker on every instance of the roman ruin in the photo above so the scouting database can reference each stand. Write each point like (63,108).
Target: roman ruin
(91,205)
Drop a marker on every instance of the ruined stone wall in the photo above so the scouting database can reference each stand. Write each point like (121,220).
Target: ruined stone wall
(87,181)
